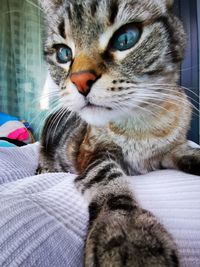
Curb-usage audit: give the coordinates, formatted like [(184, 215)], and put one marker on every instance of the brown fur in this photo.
[(83, 62)]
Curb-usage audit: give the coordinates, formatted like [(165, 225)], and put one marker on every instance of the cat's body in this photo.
[(117, 66), (144, 147)]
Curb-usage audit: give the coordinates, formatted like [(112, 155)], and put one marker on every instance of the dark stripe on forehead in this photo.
[(69, 13), (94, 7), (114, 8), (78, 12), (61, 28)]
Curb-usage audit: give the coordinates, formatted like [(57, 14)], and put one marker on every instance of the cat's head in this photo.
[(113, 58)]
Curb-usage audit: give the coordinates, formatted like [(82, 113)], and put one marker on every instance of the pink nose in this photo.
[(83, 81)]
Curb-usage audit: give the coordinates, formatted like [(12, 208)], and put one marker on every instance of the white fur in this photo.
[(104, 39), (103, 99)]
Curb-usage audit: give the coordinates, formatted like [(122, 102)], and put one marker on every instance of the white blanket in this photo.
[(43, 219)]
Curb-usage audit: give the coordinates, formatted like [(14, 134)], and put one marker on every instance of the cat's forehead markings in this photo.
[(61, 28)]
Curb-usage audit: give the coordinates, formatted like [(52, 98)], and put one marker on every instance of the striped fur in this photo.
[(134, 120)]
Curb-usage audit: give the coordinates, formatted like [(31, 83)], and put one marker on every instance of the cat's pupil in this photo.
[(126, 39)]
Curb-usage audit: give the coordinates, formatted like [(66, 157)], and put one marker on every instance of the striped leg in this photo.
[(120, 232)]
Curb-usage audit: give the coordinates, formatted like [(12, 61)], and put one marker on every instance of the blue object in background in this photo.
[(5, 117), (6, 144)]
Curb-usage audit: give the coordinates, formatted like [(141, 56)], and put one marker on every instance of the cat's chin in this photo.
[(98, 116)]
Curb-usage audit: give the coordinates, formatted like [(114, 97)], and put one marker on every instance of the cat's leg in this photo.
[(184, 158), (121, 233), (62, 135)]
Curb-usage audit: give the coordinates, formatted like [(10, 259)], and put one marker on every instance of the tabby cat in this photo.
[(117, 65)]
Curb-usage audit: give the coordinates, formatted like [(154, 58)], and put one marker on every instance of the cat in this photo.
[(117, 65)]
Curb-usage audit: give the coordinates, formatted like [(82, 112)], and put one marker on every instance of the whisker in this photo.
[(164, 87), (33, 4), (53, 102), (59, 111), (154, 96), (184, 88), (51, 124), (56, 122), (170, 96), (41, 118), (164, 94), (43, 97), (53, 105), (122, 104), (142, 108)]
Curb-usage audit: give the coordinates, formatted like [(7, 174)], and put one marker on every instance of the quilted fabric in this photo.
[(43, 219)]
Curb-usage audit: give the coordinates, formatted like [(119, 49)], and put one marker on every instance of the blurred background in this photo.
[(23, 72)]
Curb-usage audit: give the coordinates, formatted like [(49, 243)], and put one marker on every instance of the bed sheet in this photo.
[(43, 219)]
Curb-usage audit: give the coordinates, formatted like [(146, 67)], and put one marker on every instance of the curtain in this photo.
[(189, 11), (22, 66)]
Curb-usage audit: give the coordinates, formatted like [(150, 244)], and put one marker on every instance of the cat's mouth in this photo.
[(92, 106), (97, 114)]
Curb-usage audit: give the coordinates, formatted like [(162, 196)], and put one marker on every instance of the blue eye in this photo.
[(64, 54), (126, 38)]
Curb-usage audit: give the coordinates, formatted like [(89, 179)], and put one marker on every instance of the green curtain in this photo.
[(22, 67)]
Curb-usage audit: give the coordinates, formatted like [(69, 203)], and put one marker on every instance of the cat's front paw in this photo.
[(135, 239), (190, 163)]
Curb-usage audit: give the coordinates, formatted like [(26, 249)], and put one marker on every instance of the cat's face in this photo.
[(112, 58)]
